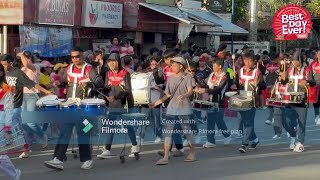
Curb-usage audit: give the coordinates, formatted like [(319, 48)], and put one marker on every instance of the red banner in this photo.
[(291, 23)]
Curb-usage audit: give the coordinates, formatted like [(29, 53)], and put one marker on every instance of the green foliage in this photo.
[(314, 7)]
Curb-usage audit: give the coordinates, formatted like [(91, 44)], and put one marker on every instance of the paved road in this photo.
[(272, 160)]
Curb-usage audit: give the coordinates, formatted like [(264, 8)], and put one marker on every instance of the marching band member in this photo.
[(296, 80), (272, 74), (77, 77), (216, 87), (16, 78), (248, 79), (156, 92), (6, 117), (118, 85), (315, 66), (178, 90)]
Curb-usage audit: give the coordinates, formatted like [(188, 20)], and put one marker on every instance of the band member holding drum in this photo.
[(249, 79), (178, 90), (294, 81), (217, 84), (315, 66), (79, 76), (118, 87)]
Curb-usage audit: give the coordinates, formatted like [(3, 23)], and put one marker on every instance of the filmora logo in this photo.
[(88, 126)]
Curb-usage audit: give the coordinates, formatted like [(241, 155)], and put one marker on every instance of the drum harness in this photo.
[(212, 86), (247, 78), (76, 77)]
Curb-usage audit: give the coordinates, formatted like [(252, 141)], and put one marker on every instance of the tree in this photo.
[(314, 7), (240, 11)]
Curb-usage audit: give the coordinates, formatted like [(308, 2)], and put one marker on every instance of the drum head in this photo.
[(51, 103), (131, 116), (93, 101), (46, 98), (231, 93)]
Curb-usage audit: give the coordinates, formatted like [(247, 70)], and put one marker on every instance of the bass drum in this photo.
[(140, 86), (241, 103)]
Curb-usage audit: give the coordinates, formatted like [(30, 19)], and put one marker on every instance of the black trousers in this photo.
[(85, 149), (216, 118)]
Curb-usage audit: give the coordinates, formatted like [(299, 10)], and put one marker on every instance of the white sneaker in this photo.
[(45, 141), (299, 148), (134, 149), (54, 164), (105, 154), (25, 155), (209, 145), (87, 165), (227, 140), (157, 140), (197, 139), (276, 136), (18, 174), (185, 143), (317, 119), (239, 136), (268, 122), (292, 143)]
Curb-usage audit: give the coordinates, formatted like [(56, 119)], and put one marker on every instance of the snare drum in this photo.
[(51, 105), (241, 103), (275, 103), (291, 97), (228, 112), (202, 105), (93, 104)]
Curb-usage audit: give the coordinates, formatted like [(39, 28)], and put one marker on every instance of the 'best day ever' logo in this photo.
[(292, 22)]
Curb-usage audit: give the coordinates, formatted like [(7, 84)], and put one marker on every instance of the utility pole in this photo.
[(232, 20), (253, 31)]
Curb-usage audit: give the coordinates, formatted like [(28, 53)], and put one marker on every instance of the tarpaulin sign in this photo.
[(291, 23)]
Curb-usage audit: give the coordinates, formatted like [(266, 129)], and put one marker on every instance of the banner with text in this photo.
[(11, 12), (57, 12), (102, 14), (47, 41), (291, 23)]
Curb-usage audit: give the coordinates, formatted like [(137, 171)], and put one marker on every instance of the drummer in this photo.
[(248, 79), (216, 87), (297, 111), (77, 73), (118, 86)]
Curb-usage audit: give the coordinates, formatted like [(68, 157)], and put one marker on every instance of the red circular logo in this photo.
[(291, 23)]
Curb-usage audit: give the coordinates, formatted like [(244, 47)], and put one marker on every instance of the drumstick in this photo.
[(102, 94), (233, 63)]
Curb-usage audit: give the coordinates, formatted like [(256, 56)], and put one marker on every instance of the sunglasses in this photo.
[(75, 57), (191, 70)]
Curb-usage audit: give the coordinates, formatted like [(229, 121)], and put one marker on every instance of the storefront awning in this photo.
[(177, 14), (223, 25)]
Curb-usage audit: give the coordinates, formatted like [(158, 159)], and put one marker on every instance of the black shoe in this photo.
[(242, 149), (254, 145)]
